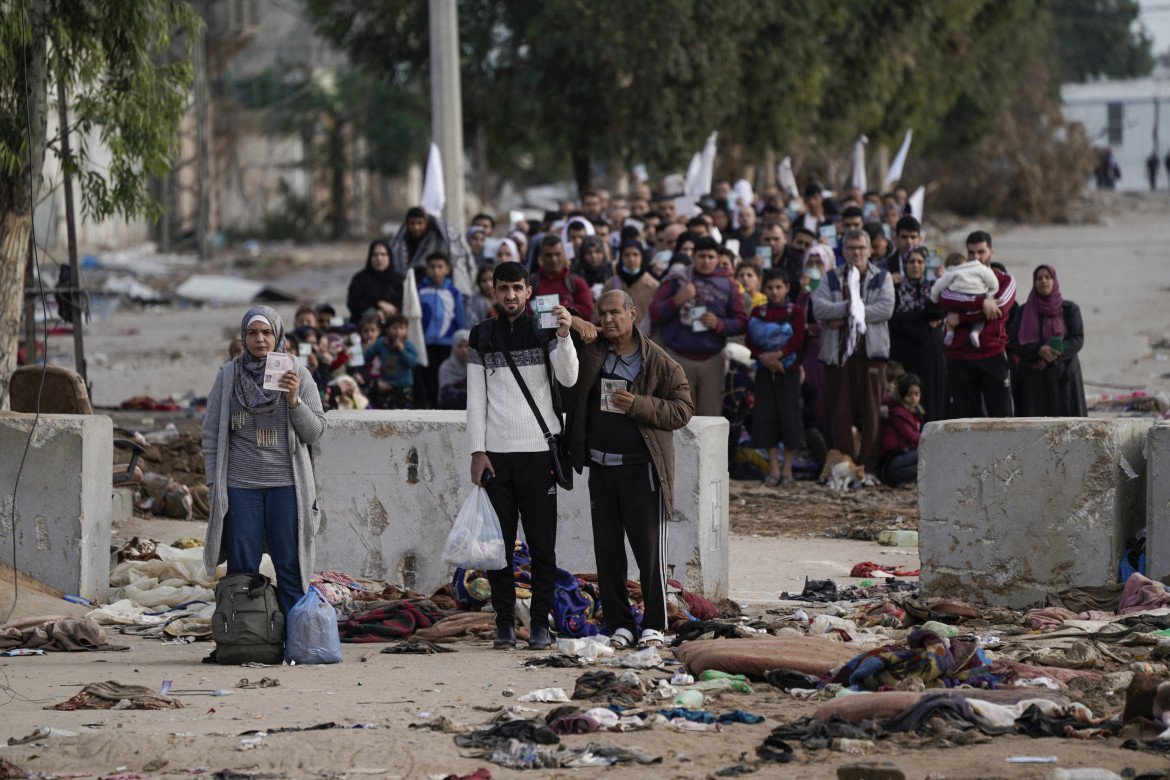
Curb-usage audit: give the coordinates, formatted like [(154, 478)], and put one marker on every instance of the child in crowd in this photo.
[(894, 372), (482, 303), (343, 393), (775, 334), (901, 433), (453, 373), (392, 360), (748, 277), (326, 316), (306, 317), (442, 315), (313, 358), (969, 277)]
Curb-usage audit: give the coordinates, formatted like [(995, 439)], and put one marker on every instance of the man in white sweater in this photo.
[(506, 441)]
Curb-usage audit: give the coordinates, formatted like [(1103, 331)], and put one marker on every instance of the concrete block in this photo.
[(1010, 509), (390, 485), (1158, 501), (61, 517)]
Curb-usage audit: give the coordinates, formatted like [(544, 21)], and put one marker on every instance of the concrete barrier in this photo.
[(390, 485), (61, 518), (1158, 501), (1010, 509)]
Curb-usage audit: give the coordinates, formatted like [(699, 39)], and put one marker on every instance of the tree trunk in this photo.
[(18, 192), (583, 172)]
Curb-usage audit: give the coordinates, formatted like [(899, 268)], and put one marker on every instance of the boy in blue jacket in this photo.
[(442, 315), (390, 362)]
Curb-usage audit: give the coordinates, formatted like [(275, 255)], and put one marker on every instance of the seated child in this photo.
[(900, 434), (391, 361), (894, 372), (969, 277), (453, 373)]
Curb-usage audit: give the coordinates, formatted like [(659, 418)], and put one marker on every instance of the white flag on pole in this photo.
[(916, 202), (434, 194), (786, 177), (859, 181), (899, 160)]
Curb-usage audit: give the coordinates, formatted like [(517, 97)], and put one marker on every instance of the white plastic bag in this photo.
[(312, 636), (476, 541)]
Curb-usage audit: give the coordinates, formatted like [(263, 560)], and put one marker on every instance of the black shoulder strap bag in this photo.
[(562, 464)]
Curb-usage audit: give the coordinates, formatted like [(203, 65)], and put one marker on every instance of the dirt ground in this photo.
[(1112, 267)]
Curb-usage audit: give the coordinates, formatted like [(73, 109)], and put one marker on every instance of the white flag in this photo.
[(916, 202), (692, 178), (859, 181), (786, 178), (707, 167), (899, 160), (434, 194), (412, 310)]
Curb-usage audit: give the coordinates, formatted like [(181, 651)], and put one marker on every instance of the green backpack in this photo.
[(247, 624)]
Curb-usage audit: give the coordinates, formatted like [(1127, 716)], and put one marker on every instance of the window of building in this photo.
[(1114, 123)]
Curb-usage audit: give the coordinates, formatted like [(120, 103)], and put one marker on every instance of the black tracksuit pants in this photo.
[(524, 490), (626, 502)]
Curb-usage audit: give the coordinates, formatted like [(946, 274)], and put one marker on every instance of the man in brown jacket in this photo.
[(629, 397)]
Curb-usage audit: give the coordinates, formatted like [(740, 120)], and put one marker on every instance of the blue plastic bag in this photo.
[(312, 636)]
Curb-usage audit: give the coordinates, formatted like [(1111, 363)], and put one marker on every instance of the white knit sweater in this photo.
[(498, 417)]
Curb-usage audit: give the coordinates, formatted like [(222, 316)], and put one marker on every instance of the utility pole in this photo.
[(202, 152), (80, 302), (447, 104)]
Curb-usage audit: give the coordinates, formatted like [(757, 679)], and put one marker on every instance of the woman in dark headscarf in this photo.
[(377, 287), (256, 454), (915, 335), (1047, 336), (591, 264)]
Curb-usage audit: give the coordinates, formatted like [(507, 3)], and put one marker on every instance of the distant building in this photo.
[(1121, 115)]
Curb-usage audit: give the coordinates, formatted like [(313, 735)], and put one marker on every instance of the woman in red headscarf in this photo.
[(1046, 338)]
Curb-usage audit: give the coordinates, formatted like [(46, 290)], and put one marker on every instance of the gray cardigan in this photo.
[(877, 293), (306, 424)]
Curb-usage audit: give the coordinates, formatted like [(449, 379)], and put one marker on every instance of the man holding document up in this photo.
[(628, 398)]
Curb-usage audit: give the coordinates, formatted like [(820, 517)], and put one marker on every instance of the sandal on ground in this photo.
[(621, 639), (771, 481), (651, 638)]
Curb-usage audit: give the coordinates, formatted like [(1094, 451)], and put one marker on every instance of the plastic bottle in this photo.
[(691, 699), (852, 745), (682, 679), (898, 538), (222, 692), (715, 674), (1083, 774)]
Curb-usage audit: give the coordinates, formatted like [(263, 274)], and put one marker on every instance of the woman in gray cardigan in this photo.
[(259, 472)]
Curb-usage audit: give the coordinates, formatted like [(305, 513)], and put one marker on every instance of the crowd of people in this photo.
[(813, 323)]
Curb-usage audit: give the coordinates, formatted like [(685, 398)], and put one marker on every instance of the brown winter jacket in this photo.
[(662, 404)]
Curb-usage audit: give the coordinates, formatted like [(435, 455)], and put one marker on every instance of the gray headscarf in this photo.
[(248, 393)]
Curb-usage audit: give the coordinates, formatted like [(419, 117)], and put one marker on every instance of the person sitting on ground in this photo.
[(698, 308), (630, 274), (453, 373), (345, 395), (900, 434), (894, 372), (775, 336), (376, 288), (442, 315), (968, 277), (481, 304), (391, 362)]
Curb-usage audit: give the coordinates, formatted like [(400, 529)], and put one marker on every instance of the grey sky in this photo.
[(1156, 17)]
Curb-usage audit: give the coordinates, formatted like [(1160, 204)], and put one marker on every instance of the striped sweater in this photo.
[(498, 417)]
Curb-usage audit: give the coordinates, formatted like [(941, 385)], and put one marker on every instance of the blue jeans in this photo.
[(253, 515)]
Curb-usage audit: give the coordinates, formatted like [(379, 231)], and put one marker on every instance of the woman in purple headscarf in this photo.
[(256, 452), (1046, 337)]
